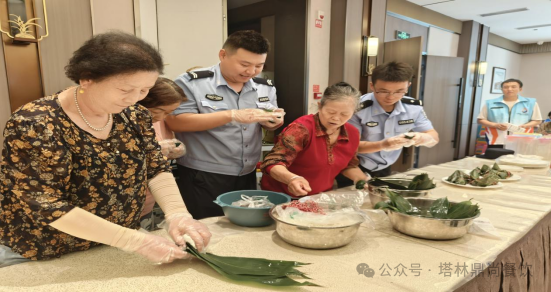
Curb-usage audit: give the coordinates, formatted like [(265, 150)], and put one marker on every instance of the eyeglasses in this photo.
[(394, 94)]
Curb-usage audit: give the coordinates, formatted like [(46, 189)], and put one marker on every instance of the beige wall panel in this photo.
[(423, 14), (64, 39), (110, 14)]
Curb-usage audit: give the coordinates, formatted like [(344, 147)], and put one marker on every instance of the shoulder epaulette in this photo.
[(412, 101), (200, 74), (268, 82), (366, 104)]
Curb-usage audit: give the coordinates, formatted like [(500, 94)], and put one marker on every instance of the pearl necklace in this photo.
[(86, 121)]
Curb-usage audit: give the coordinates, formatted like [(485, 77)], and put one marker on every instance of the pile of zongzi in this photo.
[(480, 177), (441, 208), (263, 271)]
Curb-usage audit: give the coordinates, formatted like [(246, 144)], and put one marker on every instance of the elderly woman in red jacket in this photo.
[(314, 149)]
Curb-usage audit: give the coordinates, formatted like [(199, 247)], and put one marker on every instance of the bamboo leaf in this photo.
[(226, 266)]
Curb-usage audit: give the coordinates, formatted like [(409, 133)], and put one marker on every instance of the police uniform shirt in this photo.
[(230, 149), (375, 124)]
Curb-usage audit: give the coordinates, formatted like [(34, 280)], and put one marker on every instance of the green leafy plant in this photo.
[(263, 271)]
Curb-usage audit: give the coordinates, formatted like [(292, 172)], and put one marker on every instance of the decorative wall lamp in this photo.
[(481, 67), (371, 49), (20, 31)]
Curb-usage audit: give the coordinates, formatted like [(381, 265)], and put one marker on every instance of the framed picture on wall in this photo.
[(498, 76)]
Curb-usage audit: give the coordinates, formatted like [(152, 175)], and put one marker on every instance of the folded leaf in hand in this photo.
[(439, 208), (422, 182), (360, 184)]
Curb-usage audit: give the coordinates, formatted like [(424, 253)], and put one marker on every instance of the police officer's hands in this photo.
[(179, 224), (395, 143), (253, 115), (278, 121), (422, 139), (299, 186), (501, 126), (157, 249)]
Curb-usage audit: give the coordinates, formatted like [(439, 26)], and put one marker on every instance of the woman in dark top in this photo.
[(75, 165), (314, 149)]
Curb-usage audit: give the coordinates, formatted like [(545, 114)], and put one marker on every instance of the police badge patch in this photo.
[(372, 124), (263, 99), (405, 122), (214, 97)]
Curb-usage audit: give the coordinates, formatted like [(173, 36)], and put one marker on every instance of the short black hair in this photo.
[(249, 40), (392, 72), (549, 114), (110, 54), (512, 80)]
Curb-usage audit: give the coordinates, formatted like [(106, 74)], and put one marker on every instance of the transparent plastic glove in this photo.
[(253, 115), (179, 224), (423, 139), (172, 148), (277, 121), (396, 142), (157, 249), (299, 186)]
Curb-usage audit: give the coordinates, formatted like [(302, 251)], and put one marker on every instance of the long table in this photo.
[(519, 212)]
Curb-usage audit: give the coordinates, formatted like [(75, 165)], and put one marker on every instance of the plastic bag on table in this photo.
[(253, 202), (353, 198)]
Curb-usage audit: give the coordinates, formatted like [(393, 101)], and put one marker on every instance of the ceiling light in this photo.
[(534, 26), (504, 12)]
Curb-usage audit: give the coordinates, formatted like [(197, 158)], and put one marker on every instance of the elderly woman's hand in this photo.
[(299, 186), (180, 224)]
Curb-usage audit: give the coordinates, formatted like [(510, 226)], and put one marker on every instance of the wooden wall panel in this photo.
[(22, 64), (64, 39), (5, 108)]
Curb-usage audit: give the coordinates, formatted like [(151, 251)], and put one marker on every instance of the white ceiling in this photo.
[(503, 25)]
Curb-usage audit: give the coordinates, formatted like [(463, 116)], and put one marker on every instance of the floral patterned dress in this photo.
[(50, 165)]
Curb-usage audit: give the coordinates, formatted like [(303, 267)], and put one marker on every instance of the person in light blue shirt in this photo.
[(221, 123), (386, 117)]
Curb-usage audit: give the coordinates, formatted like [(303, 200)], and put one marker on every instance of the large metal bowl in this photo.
[(315, 237), (429, 228), (377, 192)]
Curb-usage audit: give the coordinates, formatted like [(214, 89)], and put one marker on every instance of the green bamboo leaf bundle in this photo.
[(263, 271), (419, 182), (440, 209)]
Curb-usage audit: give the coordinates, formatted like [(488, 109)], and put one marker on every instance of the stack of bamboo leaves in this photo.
[(263, 271)]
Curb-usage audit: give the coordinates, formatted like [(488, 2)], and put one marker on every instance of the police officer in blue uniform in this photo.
[(386, 117), (221, 123)]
